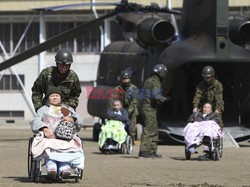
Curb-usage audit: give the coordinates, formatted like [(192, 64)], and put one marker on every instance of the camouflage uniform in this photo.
[(128, 97), (69, 85), (153, 97), (210, 93)]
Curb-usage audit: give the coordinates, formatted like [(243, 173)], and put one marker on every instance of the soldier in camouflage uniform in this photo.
[(127, 94), (153, 98), (60, 76), (209, 90)]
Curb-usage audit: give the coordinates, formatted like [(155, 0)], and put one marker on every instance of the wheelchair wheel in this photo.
[(124, 148), (221, 147), (96, 131), (217, 152), (79, 177), (36, 173), (129, 144), (187, 154), (31, 162)]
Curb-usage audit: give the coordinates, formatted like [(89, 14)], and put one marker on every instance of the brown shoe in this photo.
[(65, 173), (52, 173)]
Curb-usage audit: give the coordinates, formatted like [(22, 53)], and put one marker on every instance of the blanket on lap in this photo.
[(112, 129), (194, 132)]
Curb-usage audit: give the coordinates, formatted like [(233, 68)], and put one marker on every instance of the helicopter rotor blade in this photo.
[(69, 6), (122, 6), (65, 36)]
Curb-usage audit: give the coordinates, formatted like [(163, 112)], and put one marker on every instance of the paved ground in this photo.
[(232, 170)]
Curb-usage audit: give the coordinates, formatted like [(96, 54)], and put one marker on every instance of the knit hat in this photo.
[(52, 90)]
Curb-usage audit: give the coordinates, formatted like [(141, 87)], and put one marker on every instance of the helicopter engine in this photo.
[(239, 30), (154, 31), (147, 30)]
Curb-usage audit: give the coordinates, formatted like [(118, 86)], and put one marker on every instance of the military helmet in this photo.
[(207, 71), (64, 56), (126, 74), (160, 70)]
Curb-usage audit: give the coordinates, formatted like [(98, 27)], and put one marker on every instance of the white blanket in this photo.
[(194, 132), (59, 150)]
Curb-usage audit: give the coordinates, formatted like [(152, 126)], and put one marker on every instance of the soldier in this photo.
[(60, 76), (153, 98), (127, 93), (209, 90)]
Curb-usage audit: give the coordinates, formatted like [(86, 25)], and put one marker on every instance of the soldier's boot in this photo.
[(157, 155), (146, 155)]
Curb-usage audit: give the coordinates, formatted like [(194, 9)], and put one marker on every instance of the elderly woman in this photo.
[(202, 128), (60, 154)]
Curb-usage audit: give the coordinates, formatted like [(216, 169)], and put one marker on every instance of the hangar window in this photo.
[(10, 82), (17, 114), (5, 35), (31, 38), (89, 41), (10, 34), (55, 28)]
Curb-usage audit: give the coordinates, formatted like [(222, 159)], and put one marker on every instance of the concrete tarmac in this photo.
[(233, 170)]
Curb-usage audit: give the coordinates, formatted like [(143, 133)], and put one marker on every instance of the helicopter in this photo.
[(212, 38), (207, 35)]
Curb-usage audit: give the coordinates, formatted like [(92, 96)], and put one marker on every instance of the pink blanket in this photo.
[(194, 132), (43, 146)]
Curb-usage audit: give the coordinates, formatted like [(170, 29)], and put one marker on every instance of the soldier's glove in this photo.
[(195, 110), (130, 112), (217, 112)]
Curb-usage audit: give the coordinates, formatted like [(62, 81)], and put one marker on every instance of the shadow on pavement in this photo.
[(45, 181)]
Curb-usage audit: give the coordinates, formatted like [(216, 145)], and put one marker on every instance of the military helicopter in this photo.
[(207, 36)]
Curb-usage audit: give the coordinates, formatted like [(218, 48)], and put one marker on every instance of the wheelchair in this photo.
[(111, 146), (215, 150), (37, 173)]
